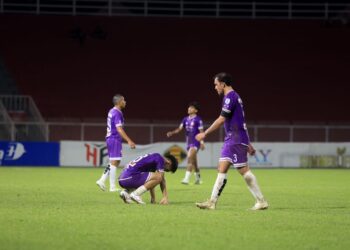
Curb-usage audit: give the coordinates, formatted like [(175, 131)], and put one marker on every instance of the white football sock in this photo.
[(105, 174), (112, 176), (218, 186), (253, 186), (142, 189), (187, 176)]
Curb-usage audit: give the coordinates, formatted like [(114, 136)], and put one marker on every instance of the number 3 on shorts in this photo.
[(234, 158)]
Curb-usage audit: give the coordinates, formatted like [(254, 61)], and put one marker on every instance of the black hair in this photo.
[(195, 105), (173, 161), (116, 98), (224, 77)]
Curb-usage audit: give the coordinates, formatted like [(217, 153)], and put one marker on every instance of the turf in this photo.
[(62, 208)]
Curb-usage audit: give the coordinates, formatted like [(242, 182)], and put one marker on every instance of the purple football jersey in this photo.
[(235, 127), (115, 119), (192, 125), (145, 163)]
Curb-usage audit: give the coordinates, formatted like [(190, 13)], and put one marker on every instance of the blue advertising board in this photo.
[(29, 153)]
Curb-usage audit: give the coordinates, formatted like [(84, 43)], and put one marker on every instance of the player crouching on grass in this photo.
[(145, 173)]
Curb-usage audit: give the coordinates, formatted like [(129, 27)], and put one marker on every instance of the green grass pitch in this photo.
[(62, 208)]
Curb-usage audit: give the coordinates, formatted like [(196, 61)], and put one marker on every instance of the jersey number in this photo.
[(108, 126), (133, 162)]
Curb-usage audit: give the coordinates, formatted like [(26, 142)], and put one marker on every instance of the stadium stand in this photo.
[(161, 65), (290, 70), (7, 84)]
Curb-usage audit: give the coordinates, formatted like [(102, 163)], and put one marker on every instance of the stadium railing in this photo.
[(145, 133), (180, 8), (7, 128), (16, 109)]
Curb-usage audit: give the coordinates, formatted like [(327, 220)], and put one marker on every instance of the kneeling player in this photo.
[(143, 174)]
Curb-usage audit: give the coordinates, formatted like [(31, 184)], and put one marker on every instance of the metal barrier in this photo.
[(18, 108), (179, 8), (150, 133), (7, 128)]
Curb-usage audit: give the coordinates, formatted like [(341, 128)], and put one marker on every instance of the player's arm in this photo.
[(251, 149), (125, 137), (214, 126), (153, 195), (175, 131), (164, 200)]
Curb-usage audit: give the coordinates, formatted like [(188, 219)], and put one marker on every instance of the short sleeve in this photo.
[(118, 120), (200, 124), (183, 123), (227, 107)]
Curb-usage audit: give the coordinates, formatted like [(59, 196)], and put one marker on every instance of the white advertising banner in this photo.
[(305, 155), (94, 154)]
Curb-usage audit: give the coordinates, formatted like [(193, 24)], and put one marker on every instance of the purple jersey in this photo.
[(115, 119), (145, 163), (192, 125), (235, 126)]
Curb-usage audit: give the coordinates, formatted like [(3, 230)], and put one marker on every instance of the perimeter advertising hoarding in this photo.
[(94, 154), (29, 153)]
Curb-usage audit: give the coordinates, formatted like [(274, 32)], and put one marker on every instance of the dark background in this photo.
[(288, 70)]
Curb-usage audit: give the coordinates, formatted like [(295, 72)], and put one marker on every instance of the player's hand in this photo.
[(164, 201), (251, 149), (170, 133), (132, 144), (200, 136), (202, 147)]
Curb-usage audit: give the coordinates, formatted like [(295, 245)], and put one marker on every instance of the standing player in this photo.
[(193, 124), (143, 174), (114, 137), (236, 144)]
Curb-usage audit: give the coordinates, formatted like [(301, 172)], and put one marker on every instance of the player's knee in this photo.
[(158, 177)]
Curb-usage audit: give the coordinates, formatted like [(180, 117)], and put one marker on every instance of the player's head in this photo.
[(172, 163), (119, 100), (222, 80), (193, 108)]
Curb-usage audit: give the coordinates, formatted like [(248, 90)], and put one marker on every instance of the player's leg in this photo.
[(218, 187), (241, 164), (126, 182), (190, 165), (114, 148), (254, 188), (225, 161), (113, 175), (152, 180), (101, 182), (115, 156), (132, 182), (196, 170)]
